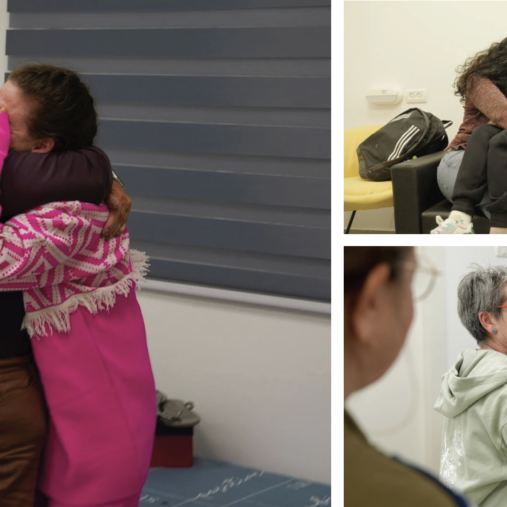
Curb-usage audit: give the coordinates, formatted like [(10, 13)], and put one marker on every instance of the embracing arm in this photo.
[(30, 179), (52, 244)]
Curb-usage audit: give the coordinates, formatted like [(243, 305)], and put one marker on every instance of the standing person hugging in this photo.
[(77, 283), (473, 170)]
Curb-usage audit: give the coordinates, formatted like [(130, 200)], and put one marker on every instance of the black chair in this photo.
[(418, 200)]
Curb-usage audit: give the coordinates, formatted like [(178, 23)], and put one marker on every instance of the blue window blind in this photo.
[(216, 114)]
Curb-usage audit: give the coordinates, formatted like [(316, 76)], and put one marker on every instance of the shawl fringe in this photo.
[(44, 322)]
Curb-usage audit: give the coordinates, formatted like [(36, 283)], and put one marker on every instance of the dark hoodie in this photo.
[(30, 180)]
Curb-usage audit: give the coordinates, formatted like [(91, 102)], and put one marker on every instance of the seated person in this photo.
[(473, 170)]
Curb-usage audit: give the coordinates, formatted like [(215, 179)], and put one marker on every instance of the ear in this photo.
[(369, 306), (44, 145), (487, 322)]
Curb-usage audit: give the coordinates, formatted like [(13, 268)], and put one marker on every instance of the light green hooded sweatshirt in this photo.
[(473, 399)]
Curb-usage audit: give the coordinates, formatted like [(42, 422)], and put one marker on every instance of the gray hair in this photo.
[(480, 291)]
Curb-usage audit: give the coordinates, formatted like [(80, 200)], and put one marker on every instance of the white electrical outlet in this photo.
[(417, 96), (501, 251)]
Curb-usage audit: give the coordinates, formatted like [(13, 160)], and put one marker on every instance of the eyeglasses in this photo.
[(425, 277), (504, 306)]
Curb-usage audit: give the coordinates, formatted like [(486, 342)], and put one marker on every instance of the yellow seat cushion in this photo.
[(352, 139), (362, 194)]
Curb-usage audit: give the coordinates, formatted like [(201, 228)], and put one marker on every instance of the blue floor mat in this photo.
[(212, 483)]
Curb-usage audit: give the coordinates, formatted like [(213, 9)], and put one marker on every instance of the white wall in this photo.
[(411, 45), (260, 379), (396, 412)]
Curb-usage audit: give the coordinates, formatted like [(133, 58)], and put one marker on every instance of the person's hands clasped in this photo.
[(119, 205)]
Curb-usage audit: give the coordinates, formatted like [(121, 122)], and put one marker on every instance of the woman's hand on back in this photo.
[(119, 205)]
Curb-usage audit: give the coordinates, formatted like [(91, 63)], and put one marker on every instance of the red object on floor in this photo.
[(173, 451), (173, 446)]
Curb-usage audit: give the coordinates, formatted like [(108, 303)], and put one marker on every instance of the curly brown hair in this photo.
[(490, 63)]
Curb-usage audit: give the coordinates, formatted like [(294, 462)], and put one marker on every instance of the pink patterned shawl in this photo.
[(56, 255)]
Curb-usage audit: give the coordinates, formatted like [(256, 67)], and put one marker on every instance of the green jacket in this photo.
[(372, 479), (473, 398)]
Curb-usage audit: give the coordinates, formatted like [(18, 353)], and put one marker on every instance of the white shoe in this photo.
[(449, 226)]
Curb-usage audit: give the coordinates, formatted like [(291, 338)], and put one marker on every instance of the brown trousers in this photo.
[(23, 425)]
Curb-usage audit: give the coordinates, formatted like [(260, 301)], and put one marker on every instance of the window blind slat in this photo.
[(283, 42), (250, 91), (230, 234), (153, 5), (254, 281), (297, 142), (227, 187), (283, 67)]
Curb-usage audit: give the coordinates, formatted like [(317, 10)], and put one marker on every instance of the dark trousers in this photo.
[(484, 166), (23, 425)]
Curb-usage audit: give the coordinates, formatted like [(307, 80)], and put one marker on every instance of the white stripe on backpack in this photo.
[(403, 141), (402, 147), (400, 140)]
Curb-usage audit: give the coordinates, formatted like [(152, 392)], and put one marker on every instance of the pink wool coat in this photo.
[(90, 347)]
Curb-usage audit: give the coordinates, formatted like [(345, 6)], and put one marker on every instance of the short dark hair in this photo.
[(63, 110)]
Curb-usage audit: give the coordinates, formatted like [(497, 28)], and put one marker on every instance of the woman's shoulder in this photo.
[(372, 478)]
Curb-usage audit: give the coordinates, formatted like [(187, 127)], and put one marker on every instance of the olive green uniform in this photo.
[(372, 479)]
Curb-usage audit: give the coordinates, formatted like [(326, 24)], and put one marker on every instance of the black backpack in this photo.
[(413, 133)]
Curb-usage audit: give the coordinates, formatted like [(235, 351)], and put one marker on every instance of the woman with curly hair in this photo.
[(473, 170)]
